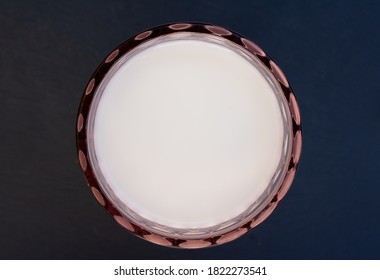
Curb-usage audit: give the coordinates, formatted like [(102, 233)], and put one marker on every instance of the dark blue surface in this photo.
[(329, 50)]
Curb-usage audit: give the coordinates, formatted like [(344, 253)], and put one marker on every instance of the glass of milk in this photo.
[(189, 135)]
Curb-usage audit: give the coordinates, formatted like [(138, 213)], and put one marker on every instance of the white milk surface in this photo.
[(188, 133)]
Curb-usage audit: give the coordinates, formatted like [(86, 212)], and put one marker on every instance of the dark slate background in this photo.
[(329, 51)]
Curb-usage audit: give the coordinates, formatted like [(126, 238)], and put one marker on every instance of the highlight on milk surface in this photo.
[(189, 135)]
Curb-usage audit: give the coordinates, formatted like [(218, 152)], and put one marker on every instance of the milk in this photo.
[(188, 133)]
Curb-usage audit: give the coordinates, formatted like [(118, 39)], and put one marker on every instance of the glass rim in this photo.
[(268, 200)]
